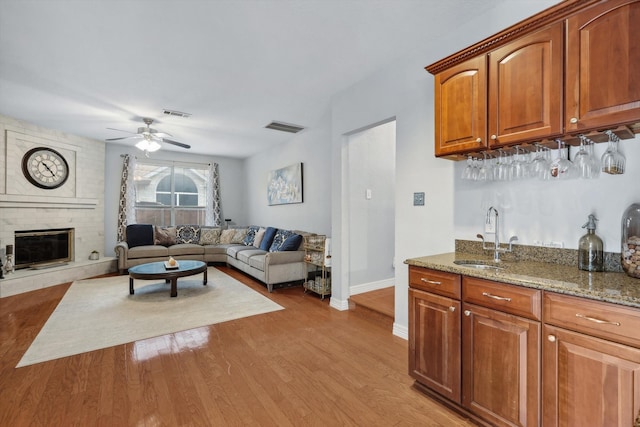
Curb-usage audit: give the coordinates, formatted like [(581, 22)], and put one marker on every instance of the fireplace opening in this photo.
[(43, 248)]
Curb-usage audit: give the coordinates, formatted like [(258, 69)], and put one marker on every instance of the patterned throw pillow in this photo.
[(165, 236), (227, 235), (209, 235), (188, 234), (239, 236), (251, 235), (278, 240)]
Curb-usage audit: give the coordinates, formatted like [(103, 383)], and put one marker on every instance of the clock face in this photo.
[(45, 168)]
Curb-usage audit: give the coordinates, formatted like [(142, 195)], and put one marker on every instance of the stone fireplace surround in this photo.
[(79, 203)]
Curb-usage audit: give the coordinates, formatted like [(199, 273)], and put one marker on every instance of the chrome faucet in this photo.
[(497, 250)]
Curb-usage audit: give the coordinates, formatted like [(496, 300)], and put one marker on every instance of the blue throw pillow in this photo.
[(139, 235), (292, 243), (278, 240), (269, 234), (251, 235)]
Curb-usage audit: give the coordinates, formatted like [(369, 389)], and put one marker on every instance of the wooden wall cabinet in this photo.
[(570, 69)]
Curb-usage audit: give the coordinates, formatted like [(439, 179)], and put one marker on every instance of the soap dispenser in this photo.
[(591, 248)]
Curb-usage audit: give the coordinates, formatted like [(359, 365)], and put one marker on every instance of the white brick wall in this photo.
[(79, 203)]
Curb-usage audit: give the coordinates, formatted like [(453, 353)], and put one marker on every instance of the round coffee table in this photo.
[(158, 270)]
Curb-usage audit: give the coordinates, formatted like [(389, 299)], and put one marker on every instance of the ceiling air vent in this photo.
[(284, 127), (177, 113)]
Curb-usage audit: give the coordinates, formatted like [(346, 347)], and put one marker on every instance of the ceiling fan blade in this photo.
[(120, 130), (179, 144), (124, 137)]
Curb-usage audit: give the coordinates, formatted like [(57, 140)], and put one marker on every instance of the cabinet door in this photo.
[(434, 342), (461, 110), (588, 381), (501, 367), (525, 88), (603, 66)]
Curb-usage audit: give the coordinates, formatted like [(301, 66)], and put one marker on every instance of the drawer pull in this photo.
[(467, 313), (488, 295), (422, 279), (452, 309), (598, 321), (551, 338)]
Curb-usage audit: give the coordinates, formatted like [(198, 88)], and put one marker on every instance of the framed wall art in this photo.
[(284, 186)]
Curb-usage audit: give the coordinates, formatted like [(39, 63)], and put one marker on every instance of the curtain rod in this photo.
[(173, 162)]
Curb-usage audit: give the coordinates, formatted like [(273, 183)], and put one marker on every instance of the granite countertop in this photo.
[(614, 287)]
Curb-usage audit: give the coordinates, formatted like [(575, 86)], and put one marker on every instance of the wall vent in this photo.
[(176, 113), (284, 127)]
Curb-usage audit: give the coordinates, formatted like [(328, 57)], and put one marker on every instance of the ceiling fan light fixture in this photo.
[(148, 145)]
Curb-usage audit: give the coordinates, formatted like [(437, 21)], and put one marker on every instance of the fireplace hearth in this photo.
[(42, 248)]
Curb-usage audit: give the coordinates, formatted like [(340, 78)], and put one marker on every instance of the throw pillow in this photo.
[(209, 235), (139, 235), (188, 234), (278, 240), (227, 235), (292, 243), (239, 236), (269, 234), (259, 237), (251, 235), (165, 236)]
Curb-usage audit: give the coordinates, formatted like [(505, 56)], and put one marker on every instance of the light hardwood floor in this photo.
[(305, 365)]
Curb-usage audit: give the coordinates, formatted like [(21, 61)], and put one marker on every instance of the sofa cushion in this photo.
[(209, 235), (269, 234), (139, 235), (165, 236), (259, 237), (188, 234), (239, 235), (251, 235), (148, 251), (233, 250), (244, 256), (227, 235), (257, 261), (186, 249), (216, 249), (292, 243), (279, 239)]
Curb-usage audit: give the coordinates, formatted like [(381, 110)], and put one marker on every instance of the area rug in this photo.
[(100, 313)]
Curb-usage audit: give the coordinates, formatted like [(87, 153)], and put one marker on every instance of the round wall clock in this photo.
[(45, 168)]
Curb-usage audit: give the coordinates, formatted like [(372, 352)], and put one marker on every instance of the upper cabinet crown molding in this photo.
[(544, 18)]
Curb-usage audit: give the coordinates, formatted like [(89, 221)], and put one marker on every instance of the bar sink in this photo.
[(483, 265)]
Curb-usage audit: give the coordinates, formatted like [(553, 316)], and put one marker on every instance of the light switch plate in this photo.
[(418, 199)]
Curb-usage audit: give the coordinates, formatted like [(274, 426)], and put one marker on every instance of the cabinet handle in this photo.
[(552, 338), (488, 295), (422, 279), (452, 309), (598, 321), (467, 313), (494, 137), (573, 120), (479, 140)]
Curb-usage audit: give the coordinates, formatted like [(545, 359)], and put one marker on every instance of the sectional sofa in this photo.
[(268, 254)]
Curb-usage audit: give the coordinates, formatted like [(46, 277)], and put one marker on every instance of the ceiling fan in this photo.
[(149, 138)]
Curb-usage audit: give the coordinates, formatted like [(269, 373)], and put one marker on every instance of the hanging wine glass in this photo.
[(562, 167), (484, 172), (613, 162), (540, 165), (582, 160), (467, 173)]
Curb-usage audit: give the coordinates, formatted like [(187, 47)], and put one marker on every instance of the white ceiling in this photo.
[(82, 66)]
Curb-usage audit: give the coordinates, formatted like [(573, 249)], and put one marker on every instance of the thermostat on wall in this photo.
[(418, 199)]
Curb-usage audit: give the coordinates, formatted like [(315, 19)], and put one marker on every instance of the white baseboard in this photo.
[(339, 304), (371, 286), (400, 331)]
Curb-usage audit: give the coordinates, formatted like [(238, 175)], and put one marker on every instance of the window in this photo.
[(170, 194)]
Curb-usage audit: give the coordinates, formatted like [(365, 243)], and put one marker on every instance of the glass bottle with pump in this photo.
[(591, 248)]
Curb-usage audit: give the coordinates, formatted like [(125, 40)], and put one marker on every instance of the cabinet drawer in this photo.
[(604, 320), (512, 299), (438, 282)]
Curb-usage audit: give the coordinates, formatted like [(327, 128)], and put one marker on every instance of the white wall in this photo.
[(371, 167), (311, 147), (232, 185)]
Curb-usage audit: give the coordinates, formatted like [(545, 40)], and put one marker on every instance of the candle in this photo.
[(9, 249)]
